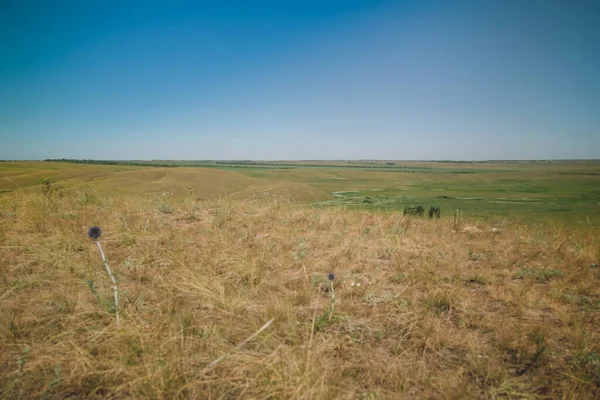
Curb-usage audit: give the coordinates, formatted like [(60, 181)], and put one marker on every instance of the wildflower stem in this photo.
[(114, 281), (332, 299)]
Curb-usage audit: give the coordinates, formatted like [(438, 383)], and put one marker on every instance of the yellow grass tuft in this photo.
[(438, 313)]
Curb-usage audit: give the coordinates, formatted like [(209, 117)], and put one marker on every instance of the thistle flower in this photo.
[(94, 233), (331, 277)]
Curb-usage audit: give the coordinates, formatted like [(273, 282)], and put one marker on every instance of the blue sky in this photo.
[(505, 79)]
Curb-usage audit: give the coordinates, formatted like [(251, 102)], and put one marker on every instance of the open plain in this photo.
[(500, 299)]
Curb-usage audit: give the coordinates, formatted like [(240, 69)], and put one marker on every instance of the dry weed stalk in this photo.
[(331, 278), (94, 233), (239, 346)]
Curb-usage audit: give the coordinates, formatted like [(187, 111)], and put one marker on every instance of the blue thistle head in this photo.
[(95, 232), (331, 277)]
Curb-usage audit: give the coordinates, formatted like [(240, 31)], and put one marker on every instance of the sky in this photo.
[(292, 80)]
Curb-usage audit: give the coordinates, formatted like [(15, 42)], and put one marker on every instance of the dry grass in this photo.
[(205, 182), (439, 314)]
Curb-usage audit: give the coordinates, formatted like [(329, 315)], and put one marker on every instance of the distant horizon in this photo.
[(296, 160), (370, 79)]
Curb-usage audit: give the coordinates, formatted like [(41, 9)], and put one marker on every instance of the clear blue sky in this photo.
[(348, 79)]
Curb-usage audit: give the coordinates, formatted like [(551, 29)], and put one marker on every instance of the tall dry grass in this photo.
[(438, 313)]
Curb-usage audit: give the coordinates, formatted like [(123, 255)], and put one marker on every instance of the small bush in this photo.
[(417, 211), (434, 212)]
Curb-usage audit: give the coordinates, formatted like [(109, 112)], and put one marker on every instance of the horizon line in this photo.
[(298, 160)]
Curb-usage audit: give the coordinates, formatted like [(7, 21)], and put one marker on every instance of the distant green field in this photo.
[(557, 191)]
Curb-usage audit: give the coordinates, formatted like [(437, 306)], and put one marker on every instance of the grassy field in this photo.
[(532, 191), (424, 309)]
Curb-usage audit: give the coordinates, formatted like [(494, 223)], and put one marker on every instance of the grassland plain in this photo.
[(438, 313), (556, 191)]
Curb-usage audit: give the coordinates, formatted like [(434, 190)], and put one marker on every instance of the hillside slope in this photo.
[(206, 183)]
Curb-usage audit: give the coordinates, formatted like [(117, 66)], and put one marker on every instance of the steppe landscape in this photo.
[(222, 273)]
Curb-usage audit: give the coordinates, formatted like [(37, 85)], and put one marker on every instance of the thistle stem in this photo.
[(112, 278), (332, 299)]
